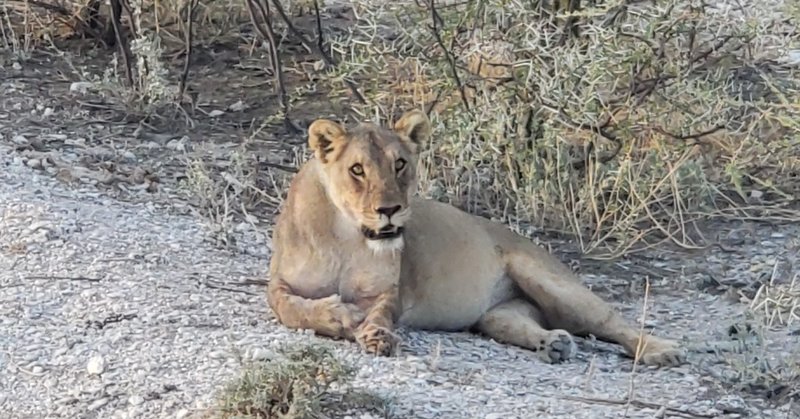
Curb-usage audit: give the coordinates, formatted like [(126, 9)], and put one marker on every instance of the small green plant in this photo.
[(302, 382), (754, 365)]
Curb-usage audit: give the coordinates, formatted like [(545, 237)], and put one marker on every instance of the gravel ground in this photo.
[(116, 309), (112, 309)]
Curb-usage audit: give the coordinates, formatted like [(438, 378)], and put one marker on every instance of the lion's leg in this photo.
[(375, 332), (519, 323), (326, 316), (568, 304)]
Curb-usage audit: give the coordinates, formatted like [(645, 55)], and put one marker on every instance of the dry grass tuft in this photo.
[(778, 304), (230, 188), (304, 382)]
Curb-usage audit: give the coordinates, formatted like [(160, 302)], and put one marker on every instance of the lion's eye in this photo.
[(357, 170), (399, 165)]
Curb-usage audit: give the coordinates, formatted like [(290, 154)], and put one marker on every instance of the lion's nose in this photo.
[(388, 211)]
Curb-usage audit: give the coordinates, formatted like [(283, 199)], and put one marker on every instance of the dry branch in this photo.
[(264, 28), (122, 40), (316, 48), (641, 404), (190, 8), (436, 23), (320, 36)]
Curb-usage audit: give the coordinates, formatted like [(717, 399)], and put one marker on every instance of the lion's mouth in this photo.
[(387, 232)]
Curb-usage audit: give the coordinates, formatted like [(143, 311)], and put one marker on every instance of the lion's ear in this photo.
[(415, 126), (324, 136)]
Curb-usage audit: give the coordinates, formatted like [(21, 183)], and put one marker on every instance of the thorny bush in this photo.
[(621, 123)]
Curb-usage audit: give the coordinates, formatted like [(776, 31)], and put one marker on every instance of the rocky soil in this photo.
[(112, 309)]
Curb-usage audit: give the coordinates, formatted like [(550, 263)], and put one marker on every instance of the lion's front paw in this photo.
[(376, 339), (339, 319), (662, 353), (557, 346)]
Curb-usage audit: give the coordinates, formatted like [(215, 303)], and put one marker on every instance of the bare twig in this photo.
[(134, 30), (93, 23), (212, 285), (601, 129), (248, 282), (570, 29), (64, 278), (694, 136), (435, 25), (12, 364), (190, 8), (714, 48), (641, 404), (320, 37), (282, 167), (640, 346), (114, 318), (122, 40), (328, 59), (268, 33)]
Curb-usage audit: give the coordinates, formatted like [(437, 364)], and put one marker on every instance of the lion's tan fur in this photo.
[(449, 270)]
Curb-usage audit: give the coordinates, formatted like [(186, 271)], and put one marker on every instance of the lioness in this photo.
[(355, 253)]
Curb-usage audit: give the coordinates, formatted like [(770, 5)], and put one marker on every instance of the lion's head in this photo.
[(370, 173)]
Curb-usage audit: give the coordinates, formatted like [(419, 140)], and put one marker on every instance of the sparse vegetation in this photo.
[(236, 187), (301, 382), (753, 365), (755, 368), (624, 124)]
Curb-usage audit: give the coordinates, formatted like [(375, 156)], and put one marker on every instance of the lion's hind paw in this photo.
[(663, 353), (557, 347)]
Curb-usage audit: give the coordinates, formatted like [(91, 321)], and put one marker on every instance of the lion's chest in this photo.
[(368, 275), (354, 274)]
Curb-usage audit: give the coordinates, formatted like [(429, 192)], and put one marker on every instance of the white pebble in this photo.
[(96, 365), (80, 86), (98, 404), (260, 354), (19, 140), (127, 155)]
